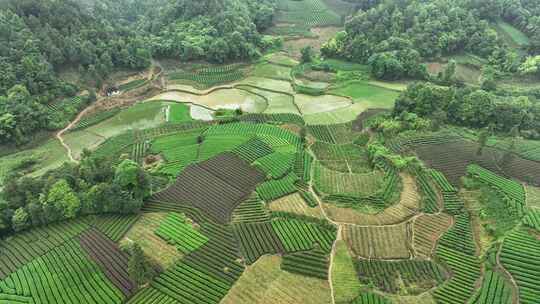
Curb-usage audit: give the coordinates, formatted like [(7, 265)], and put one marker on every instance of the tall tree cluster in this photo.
[(39, 38), (394, 37), (92, 187), (471, 107)]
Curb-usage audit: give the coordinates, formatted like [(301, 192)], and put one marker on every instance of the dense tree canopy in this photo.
[(91, 187), (38, 39), (474, 108), (394, 37)]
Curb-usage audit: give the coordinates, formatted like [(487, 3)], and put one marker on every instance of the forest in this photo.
[(270, 151)]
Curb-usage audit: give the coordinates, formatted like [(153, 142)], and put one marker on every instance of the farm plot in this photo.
[(213, 145), (344, 277), (112, 261), (519, 255), (495, 290), (114, 226), (176, 230), (333, 134), (532, 219), (132, 85), (274, 189), (278, 102), (452, 203), (431, 197), (408, 206), (264, 282), (63, 275), (453, 158), (334, 182), (270, 84), (456, 249), (257, 239), (344, 158), (224, 98), (306, 13), (370, 96), (94, 119), (294, 203), (203, 276), (155, 248), (533, 196), (427, 229), (276, 164), (370, 298), (512, 191), (408, 276), (380, 242), (318, 104), (296, 235), (209, 76), (338, 116), (232, 180), (272, 71), (313, 263), (179, 150), (25, 246), (252, 150), (250, 211)]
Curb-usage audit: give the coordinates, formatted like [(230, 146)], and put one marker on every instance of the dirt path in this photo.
[(332, 254), (68, 127)]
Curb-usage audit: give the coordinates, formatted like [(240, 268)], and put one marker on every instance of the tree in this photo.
[(307, 54), (482, 140), (20, 220), (130, 177), (64, 199), (138, 267), (386, 66), (530, 66)]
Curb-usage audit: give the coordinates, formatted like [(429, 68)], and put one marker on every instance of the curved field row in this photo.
[(63, 275), (520, 255), (407, 207), (250, 211), (495, 290), (457, 249), (427, 229), (334, 182), (379, 242), (25, 246)]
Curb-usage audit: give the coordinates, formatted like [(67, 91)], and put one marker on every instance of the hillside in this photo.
[(275, 151)]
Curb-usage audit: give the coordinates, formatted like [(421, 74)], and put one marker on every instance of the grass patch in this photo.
[(344, 279), (514, 36), (179, 113), (132, 85), (264, 282), (273, 71), (372, 96), (154, 247), (48, 156)]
